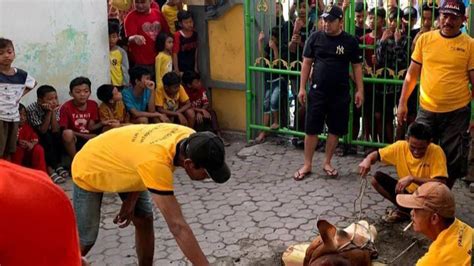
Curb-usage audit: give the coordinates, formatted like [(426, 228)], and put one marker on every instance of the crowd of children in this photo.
[(162, 47)]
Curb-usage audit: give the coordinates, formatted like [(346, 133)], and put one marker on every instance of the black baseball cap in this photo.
[(333, 13), (206, 150), (455, 7)]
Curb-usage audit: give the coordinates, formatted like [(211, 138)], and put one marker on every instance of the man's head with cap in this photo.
[(204, 156), (332, 18), (433, 207), (453, 15)]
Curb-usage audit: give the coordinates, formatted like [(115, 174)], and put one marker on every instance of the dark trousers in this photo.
[(451, 130), (52, 144)]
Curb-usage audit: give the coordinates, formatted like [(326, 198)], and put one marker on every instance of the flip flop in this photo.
[(57, 179), (331, 173), (255, 142), (63, 172), (298, 176), (396, 216)]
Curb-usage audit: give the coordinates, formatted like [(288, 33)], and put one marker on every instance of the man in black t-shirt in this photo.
[(331, 51)]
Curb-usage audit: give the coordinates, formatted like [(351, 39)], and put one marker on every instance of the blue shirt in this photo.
[(138, 103)]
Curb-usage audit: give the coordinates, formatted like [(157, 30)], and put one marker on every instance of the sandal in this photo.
[(331, 173), (62, 172), (396, 216), (57, 179), (298, 176), (255, 142), (225, 142)]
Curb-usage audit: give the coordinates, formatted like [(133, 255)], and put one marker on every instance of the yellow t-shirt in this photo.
[(116, 73), (130, 158), (398, 154), (170, 103), (117, 112), (163, 65), (171, 15), (444, 73), (451, 247)]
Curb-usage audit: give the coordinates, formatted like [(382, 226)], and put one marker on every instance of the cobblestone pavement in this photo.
[(251, 219)]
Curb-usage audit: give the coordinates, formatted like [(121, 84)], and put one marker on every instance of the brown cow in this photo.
[(352, 246)]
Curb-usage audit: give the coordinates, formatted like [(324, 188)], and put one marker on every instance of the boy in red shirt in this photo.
[(77, 117), (185, 45), (29, 152), (206, 118), (142, 26)]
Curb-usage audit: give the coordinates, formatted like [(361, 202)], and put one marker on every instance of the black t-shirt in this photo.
[(332, 55), (359, 32), (187, 52)]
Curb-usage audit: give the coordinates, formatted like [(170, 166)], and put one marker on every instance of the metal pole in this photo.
[(248, 74)]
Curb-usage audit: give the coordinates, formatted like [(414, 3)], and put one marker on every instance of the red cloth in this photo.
[(198, 98), (72, 118), (148, 25), (38, 226), (369, 40), (35, 157)]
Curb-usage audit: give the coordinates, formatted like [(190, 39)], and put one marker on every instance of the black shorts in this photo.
[(80, 142), (330, 108), (389, 184)]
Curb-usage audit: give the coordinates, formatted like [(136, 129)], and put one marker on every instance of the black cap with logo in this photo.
[(332, 13), (454, 7), (206, 150)]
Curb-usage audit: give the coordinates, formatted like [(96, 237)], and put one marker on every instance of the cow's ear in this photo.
[(327, 232)]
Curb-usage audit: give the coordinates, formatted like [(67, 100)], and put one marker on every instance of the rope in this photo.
[(363, 185)]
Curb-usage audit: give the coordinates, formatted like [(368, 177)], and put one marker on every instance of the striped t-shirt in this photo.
[(11, 90)]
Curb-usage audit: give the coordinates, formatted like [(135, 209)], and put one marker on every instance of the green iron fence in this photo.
[(374, 125)]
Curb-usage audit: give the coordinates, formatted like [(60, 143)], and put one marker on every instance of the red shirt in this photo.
[(27, 133), (368, 40), (38, 226), (72, 118), (198, 98), (148, 25)]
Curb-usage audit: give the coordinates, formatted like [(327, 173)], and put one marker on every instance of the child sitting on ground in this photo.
[(29, 152), (206, 118), (185, 52), (43, 116), (15, 83), (112, 108), (139, 100), (78, 116), (163, 61), (118, 58), (173, 101), (170, 12)]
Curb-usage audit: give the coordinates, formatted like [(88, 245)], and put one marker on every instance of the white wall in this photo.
[(58, 40)]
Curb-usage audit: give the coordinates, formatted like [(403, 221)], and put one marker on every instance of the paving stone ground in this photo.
[(261, 210)]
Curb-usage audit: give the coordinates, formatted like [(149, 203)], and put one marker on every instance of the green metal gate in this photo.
[(264, 68)]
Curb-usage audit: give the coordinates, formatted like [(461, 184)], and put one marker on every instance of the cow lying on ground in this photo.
[(351, 246)]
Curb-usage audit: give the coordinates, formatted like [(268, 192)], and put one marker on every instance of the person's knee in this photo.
[(143, 221), (190, 114), (38, 150), (374, 182), (68, 136), (141, 120)]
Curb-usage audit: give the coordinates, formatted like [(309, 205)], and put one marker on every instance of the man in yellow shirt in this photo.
[(416, 160), (170, 11), (445, 60), (133, 159), (433, 215)]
